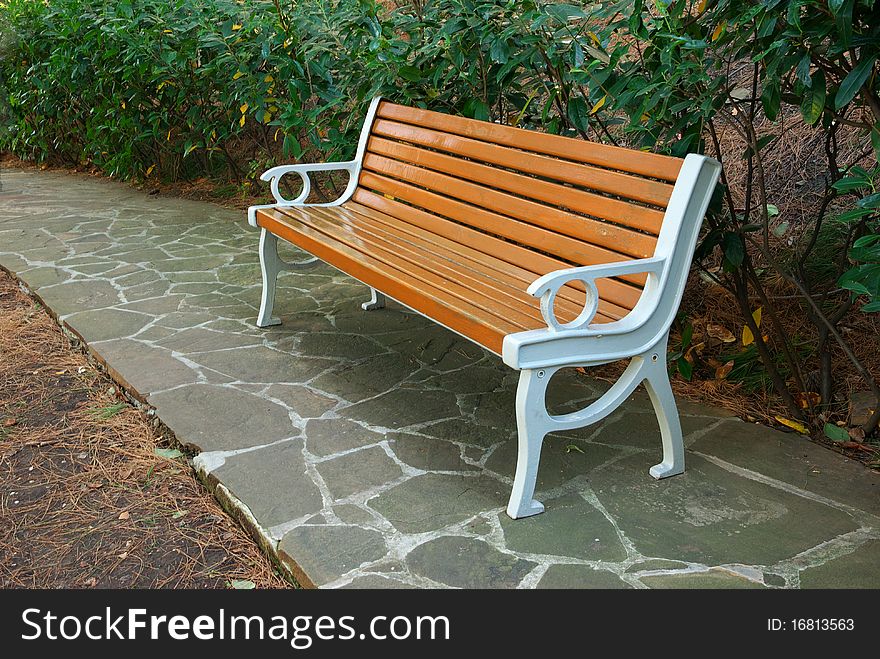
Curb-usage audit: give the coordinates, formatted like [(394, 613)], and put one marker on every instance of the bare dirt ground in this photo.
[(92, 495)]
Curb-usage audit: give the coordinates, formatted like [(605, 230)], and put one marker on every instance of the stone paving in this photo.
[(376, 449)]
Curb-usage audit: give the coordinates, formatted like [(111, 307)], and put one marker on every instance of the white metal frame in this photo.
[(640, 336)]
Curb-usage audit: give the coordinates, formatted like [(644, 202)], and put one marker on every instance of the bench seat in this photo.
[(474, 294)]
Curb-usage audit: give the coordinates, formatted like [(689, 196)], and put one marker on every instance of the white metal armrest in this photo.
[(275, 175), (547, 286)]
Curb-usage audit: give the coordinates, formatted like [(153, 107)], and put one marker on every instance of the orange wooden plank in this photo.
[(571, 300), (355, 238), (608, 234), (445, 259), (434, 303), (623, 185), (569, 249), (492, 295), (627, 160), (623, 295)]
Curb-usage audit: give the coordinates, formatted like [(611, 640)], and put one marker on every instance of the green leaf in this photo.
[(168, 453), (803, 71), (871, 201), (685, 368), (498, 51), (772, 211), (854, 81), (476, 109), (734, 252), (843, 15), (686, 336), (770, 99), (578, 113), (836, 433), (850, 183), (243, 584), (813, 102), (780, 229), (410, 73)]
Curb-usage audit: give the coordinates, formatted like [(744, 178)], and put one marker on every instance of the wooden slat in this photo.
[(490, 295), (603, 180), (448, 259), (623, 296), (571, 250), (627, 160), (606, 234), (436, 303), (511, 275), (427, 271)]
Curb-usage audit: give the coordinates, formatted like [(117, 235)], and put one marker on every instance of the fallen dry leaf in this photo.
[(8, 423), (720, 332), (807, 399), (124, 515), (724, 370), (794, 425), (857, 434)]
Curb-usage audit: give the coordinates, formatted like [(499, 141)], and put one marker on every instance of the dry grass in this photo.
[(84, 499)]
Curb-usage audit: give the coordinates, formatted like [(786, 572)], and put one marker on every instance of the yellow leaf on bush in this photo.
[(702, 6), (150, 170), (599, 104), (244, 108), (267, 117), (794, 425), (242, 120), (237, 75), (593, 36), (168, 138), (268, 79), (275, 139), (718, 30), (748, 338), (237, 26)]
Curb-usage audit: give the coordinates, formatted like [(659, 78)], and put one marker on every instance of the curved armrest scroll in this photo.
[(547, 286)]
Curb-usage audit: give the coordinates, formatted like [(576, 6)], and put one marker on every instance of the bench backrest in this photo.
[(540, 201)]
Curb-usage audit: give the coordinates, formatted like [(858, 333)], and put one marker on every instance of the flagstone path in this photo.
[(377, 449)]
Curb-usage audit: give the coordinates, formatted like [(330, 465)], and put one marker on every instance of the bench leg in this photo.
[(660, 393), (377, 301), (533, 422), (270, 265)]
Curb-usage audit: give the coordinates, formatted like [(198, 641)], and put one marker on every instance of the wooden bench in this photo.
[(549, 251)]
